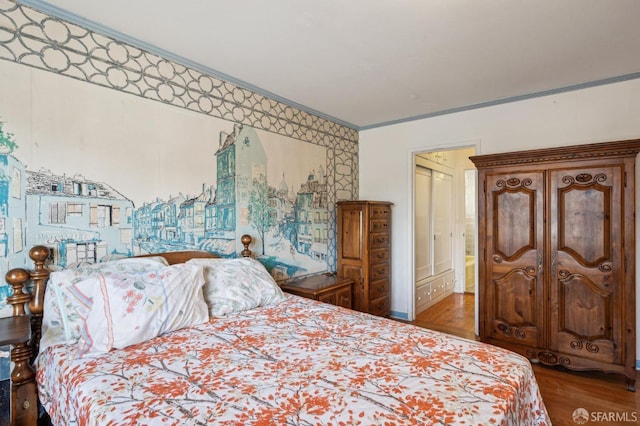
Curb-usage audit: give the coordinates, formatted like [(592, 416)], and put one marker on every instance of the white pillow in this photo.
[(66, 304), (235, 285), (130, 308)]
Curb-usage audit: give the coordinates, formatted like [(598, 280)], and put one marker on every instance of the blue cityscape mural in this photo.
[(107, 150), (83, 220)]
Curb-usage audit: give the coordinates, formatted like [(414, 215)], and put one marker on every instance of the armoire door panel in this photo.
[(585, 204), (585, 310), (515, 316), (515, 208), (512, 294), (586, 228), (586, 320), (514, 235)]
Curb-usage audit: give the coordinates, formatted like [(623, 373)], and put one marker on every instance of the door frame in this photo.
[(412, 153)]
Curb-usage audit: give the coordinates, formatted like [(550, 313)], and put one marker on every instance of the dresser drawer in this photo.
[(379, 240), (423, 295), (437, 287), (381, 225), (380, 255), (328, 297), (327, 288), (380, 212), (343, 297), (380, 307), (379, 271), (379, 288), (449, 282)]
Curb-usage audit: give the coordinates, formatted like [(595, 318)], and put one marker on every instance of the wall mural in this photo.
[(108, 149), (89, 196), (85, 220)]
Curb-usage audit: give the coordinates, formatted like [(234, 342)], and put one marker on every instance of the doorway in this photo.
[(444, 214)]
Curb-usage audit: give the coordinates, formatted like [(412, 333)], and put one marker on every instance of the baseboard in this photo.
[(400, 315)]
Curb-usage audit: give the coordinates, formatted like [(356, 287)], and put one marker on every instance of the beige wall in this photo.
[(599, 114)]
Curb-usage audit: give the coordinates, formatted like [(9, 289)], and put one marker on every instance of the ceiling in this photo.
[(367, 63)]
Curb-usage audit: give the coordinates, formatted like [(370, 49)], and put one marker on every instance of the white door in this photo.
[(442, 222), (423, 235)]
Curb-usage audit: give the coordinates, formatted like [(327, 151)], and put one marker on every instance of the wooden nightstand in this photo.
[(327, 288), (16, 331)]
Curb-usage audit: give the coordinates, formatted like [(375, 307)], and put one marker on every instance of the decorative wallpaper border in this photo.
[(32, 38)]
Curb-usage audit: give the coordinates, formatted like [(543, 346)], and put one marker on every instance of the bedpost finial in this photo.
[(246, 240), (17, 275), (16, 278), (39, 253)]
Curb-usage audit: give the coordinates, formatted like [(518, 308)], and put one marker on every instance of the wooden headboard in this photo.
[(24, 390), (173, 257)]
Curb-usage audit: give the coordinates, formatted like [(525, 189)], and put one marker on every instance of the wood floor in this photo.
[(603, 395)]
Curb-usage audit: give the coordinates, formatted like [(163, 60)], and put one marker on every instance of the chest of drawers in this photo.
[(364, 253)]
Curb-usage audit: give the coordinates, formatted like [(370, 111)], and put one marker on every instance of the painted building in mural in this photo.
[(191, 222), (287, 226), (240, 161), (79, 219), (312, 217), (12, 215)]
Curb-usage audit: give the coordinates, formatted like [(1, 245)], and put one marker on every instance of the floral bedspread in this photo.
[(299, 362)]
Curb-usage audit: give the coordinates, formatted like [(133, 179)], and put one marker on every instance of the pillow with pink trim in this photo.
[(130, 308), (67, 302)]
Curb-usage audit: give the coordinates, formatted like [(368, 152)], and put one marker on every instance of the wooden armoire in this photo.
[(556, 249), (364, 253)]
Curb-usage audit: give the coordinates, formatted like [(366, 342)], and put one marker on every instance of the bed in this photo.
[(257, 356)]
